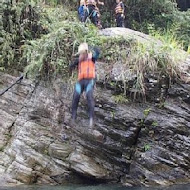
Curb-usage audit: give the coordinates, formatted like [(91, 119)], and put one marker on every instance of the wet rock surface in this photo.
[(133, 143)]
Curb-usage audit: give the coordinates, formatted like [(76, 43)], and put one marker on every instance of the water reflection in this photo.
[(99, 187)]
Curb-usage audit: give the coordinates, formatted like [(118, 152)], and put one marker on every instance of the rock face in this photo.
[(132, 143)]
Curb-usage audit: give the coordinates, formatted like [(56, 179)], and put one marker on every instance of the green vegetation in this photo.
[(18, 24), (155, 124), (146, 112), (43, 41), (50, 55), (164, 15), (120, 99), (147, 147)]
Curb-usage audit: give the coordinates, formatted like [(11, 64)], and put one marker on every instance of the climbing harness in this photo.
[(92, 12), (88, 16), (16, 82)]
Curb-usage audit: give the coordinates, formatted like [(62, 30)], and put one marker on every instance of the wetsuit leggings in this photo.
[(86, 85), (93, 14), (119, 20)]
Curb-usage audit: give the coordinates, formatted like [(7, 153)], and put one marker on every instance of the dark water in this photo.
[(99, 187)]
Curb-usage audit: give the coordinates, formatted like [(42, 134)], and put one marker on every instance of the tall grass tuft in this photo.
[(50, 55)]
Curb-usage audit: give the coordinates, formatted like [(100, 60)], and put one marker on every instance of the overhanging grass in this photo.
[(50, 55)]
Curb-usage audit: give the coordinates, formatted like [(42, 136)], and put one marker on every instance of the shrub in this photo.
[(19, 22), (50, 56)]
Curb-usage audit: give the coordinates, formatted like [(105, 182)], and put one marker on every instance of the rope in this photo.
[(88, 17), (17, 81)]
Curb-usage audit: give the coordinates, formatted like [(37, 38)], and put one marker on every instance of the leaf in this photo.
[(147, 147)]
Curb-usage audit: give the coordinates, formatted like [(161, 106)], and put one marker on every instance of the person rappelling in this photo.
[(86, 80)]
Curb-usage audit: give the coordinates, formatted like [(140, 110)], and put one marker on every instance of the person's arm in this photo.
[(123, 7), (100, 3), (96, 54), (74, 64)]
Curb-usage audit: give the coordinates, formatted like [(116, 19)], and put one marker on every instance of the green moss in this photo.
[(147, 147), (46, 152), (120, 99), (155, 124), (146, 112)]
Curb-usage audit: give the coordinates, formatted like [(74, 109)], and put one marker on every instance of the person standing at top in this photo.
[(98, 13), (86, 80), (94, 11), (83, 10), (119, 12)]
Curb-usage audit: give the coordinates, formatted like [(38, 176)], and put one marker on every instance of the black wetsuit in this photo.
[(86, 85)]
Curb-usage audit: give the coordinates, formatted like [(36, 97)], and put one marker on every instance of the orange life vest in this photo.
[(86, 70), (119, 9)]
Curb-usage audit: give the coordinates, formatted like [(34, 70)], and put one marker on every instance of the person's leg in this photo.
[(76, 98), (86, 13), (99, 23), (93, 14), (90, 100), (80, 12), (121, 21), (90, 9), (95, 18), (117, 20)]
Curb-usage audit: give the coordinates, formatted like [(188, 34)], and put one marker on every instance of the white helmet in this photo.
[(82, 48)]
